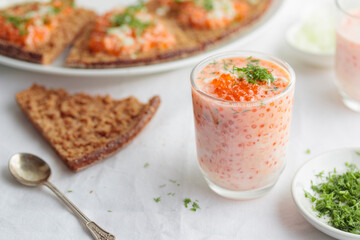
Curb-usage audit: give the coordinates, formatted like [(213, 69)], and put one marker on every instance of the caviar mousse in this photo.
[(242, 109)]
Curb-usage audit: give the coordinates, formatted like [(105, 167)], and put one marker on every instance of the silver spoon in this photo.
[(32, 171)]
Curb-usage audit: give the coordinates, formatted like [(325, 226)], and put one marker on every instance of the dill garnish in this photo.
[(187, 201), (338, 198), (128, 18), (17, 21), (208, 5), (234, 111), (253, 73), (195, 205)]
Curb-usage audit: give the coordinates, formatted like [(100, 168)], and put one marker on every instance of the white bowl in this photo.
[(302, 181), (315, 59)]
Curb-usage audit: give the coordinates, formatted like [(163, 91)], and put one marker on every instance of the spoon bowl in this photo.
[(29, 169), (32, 171)]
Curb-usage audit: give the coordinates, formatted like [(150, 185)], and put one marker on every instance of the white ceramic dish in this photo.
[(57, 67), (325, 162), (319, 60)]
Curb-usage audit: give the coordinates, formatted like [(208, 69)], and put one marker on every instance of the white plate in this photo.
[(325, 162), (57, 67)]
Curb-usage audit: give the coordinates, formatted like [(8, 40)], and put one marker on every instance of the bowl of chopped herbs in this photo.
[(326, 190)]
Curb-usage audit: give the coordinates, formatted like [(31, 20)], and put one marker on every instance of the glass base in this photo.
[(350, 103), (239, 195)]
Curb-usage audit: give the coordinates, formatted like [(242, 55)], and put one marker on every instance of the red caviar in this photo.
[(29, 25), (9, 32), (222, 15), (125, 39), (230, 87)]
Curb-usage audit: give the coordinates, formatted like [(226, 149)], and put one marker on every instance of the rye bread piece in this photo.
[(84, 129), (69, 28), (190, 41)]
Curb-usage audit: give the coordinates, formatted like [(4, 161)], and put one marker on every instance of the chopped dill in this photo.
[(338, 199), (253, 73)]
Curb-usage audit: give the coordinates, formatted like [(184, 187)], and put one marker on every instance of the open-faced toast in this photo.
[(85, 129), (81, 56), (189, 40), (39, 32)]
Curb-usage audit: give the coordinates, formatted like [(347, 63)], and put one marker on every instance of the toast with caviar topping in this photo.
[(128, 37), (159, 31), (39, 32), (84, 129), (210, 22)]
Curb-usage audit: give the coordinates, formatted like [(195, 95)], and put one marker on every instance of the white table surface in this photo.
[(121, 183)]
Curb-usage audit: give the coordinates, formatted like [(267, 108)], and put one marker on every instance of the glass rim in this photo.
[(240, 53), (343, 10)]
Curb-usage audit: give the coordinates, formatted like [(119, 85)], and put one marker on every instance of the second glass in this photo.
[(347, 58)]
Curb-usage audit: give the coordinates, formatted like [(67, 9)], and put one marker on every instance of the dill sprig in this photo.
[(128, 18), (17, 21), (253, 72), (194, 204), (208, 5)]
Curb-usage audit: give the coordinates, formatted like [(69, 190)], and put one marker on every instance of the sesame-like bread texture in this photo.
[(85, 129)]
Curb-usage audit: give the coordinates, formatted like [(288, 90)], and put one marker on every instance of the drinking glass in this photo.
[(347, 59), (241, 146)]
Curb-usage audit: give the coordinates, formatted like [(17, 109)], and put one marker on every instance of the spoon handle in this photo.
[(97, 232)]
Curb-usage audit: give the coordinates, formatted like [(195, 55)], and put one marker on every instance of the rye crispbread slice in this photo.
[(62, 36), (84, 129), (190, 41)]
